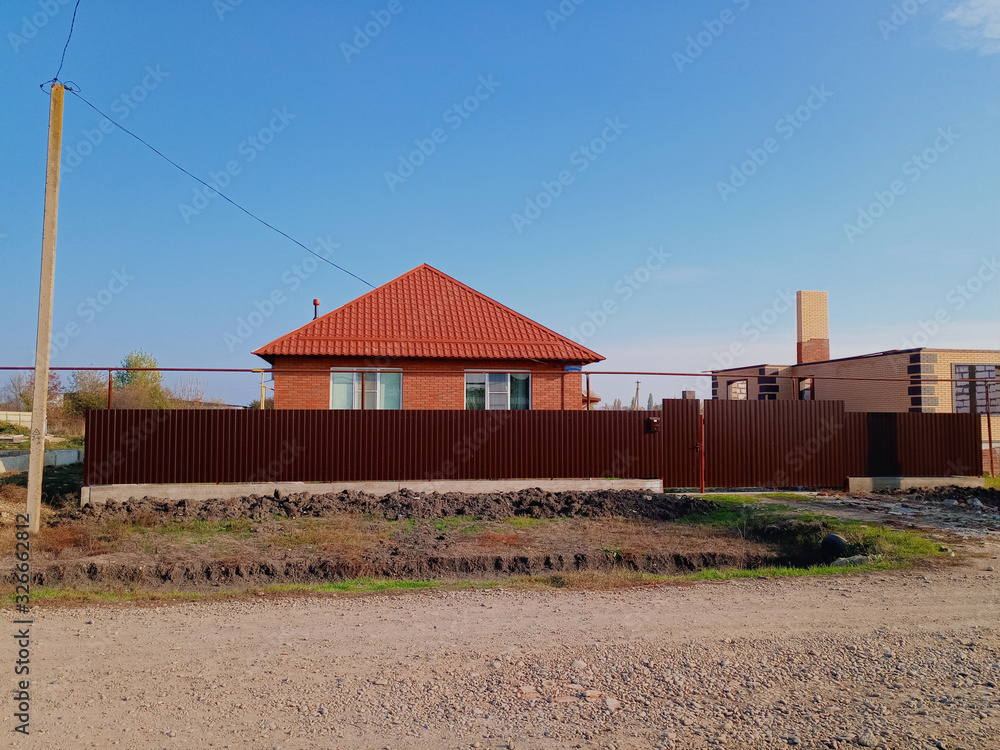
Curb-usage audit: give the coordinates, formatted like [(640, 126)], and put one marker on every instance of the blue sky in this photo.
[(684, 166)]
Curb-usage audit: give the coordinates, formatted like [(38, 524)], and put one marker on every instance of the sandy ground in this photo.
[(890, 660)]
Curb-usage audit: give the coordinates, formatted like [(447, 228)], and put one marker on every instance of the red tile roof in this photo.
[(426, 313)]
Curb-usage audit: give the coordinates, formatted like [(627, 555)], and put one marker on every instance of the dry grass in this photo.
[(617, 537), (13, 501), (347, 538), (499, 540), (333, 534)]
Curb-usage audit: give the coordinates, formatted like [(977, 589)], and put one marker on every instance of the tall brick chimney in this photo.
[(813, 327)]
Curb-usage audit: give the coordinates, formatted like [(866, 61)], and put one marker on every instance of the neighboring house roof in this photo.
[(888, 353), (426, 313)]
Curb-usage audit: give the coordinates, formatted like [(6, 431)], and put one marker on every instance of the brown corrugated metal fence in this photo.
[(748, 444), (149, 446), (679, 424), (901, 444), (775, 443)]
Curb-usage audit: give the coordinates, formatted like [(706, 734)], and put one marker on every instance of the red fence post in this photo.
[(989, 426), (701, 449)]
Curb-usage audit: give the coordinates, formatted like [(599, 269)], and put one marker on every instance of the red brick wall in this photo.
[(427, 383), (996, 460), (813, 350)]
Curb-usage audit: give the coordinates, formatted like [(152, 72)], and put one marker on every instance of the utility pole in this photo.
[(635, 404), (40, 403)]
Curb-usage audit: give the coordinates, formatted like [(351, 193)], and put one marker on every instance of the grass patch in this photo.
[(85, 596), (750, 517), (992, 482), (896, 546), (196, 530), (461, 524), (350, 586), (781, 496), (735, 511), (715, 574), (724, 498)]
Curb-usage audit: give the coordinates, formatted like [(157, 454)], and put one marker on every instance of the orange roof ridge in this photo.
[(426, 313)]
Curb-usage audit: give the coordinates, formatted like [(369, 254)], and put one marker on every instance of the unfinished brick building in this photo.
[(922, 379)]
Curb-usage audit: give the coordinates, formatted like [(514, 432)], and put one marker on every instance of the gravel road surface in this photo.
[(888, 660)]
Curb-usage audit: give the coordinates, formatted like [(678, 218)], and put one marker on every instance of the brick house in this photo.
[(426, 341), (923, 376)]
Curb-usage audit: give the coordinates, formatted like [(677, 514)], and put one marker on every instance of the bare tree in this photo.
[(19, 391), (188, 393), (87, 390)]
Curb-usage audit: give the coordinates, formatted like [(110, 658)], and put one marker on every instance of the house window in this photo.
[(497, 390), (737, 390), (970, 396), (368, 389), (805, 389)]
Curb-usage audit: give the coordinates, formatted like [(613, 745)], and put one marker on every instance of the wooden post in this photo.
[(110, 386), (43, 343)]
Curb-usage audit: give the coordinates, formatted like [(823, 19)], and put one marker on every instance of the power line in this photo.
[(222, 195), (66, 47)]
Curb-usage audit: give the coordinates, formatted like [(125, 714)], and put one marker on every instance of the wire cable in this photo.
[(66, 46), (222, 195)]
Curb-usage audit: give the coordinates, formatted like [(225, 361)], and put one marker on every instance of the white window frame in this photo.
[(356, 392), (508, 373)]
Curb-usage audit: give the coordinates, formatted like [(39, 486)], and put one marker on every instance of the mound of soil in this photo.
[(203, 571), (405, 504), (71, 555)]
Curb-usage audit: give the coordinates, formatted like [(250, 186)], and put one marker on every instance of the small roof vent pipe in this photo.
[(315, 309)]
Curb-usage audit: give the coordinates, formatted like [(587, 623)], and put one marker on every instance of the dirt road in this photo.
[(894, 660)]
